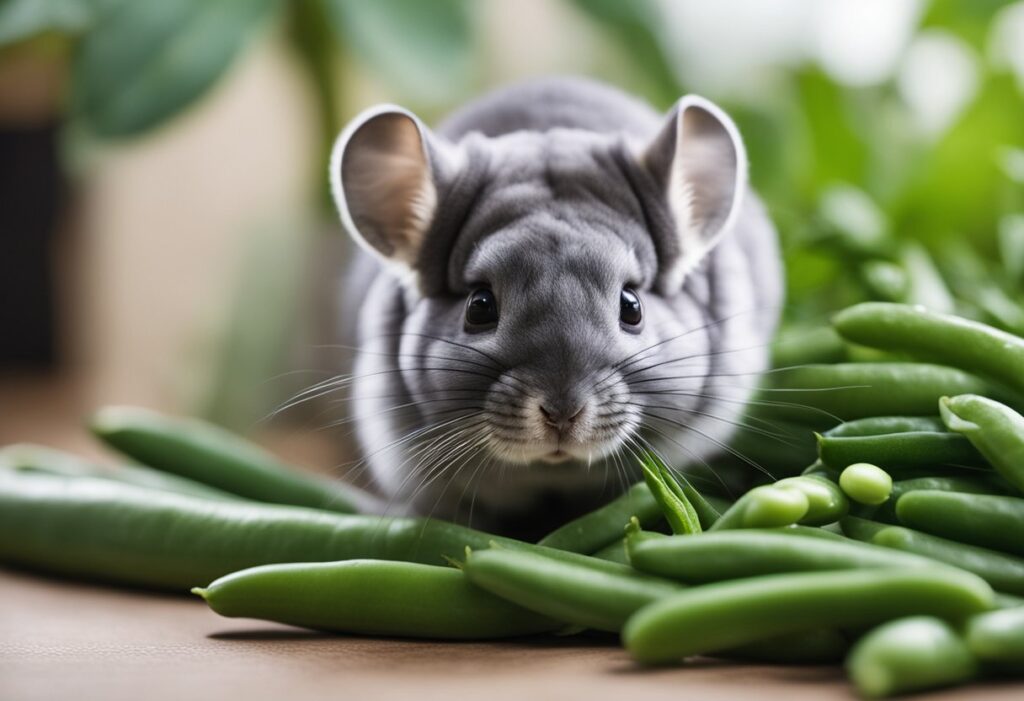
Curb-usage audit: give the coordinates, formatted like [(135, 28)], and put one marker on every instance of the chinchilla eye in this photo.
[(482, 308), (630, 311)]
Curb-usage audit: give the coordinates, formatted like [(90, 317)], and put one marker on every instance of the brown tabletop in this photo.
[(66, 640)]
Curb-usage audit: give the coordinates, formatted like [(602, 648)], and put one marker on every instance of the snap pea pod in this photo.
[(28, 458), (724, 615), (673, 502), (910, 654), (997, 637), (130, 535), (570, 592), (591, 532), (372, 597), (821, 395), (894, 451), (205, 453), (942, 338), (1004, 572), (725, 555), (879, 425), (996, 430), (989, 521), (967, 485)]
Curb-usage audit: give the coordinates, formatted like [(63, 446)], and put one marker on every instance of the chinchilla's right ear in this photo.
[(384, 170)]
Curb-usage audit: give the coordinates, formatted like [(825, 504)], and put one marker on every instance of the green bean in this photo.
[(591, 532), (674, 505), (942, 338), (866, 484), (372, 597), (1004, 572), (725, 615), (130, 535), (996, 430), (25, 457), (614, 552), (998, 637), (879, 425), (767, 506), (899, 450), (995, 522), (213, 456), (814, 344), (968, 485), (573, 593), (910, 654), (820, 395), (724, 555)]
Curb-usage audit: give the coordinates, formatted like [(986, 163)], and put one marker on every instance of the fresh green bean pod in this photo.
[(821, 395), (725, 615), (725, 555), (570, 592), (593, 531), (372, 597), (910, 654), (942, 338), (130, 535), (995, 522), (208, 454), (899, 450), (29, 458), (997, 637), (613, 552), (881, 425), (996, 430), (967, 485)]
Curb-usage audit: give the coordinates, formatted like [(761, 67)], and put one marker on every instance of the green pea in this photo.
[(996, 430), (942, 338), (725, 555), (910, 654), (989, 521), (208, 454), (715, 617), (866, 484), (372, 597), (997, 638), (826, 502)]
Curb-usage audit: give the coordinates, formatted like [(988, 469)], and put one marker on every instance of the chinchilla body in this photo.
[(554, 280)]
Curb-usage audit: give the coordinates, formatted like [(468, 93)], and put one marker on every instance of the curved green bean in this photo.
[(996, 430), (372, 597), (724, 615)]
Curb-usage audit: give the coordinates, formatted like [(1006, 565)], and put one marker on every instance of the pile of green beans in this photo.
[(899, 551)]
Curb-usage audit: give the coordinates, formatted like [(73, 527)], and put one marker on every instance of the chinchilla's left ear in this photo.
[(699, 160)]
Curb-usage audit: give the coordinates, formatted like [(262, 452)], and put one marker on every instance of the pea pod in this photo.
[(995, 522), (673, 502), (126, 534), (601, 527), (879, 425), (372, 597), (766, 506), (996, 430), (910, 654), (942, 338), (997, 638), (569, 592), (28, 458), (208, 454), (896, 451), (725, 555), (821, 395), (724, 615)]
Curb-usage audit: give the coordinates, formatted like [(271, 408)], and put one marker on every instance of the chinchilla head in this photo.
[(545, 275)]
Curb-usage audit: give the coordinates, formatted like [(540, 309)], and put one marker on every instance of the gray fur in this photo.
[(553, 193)]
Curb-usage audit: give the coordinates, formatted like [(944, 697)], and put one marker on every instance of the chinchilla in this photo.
[(551, 281)]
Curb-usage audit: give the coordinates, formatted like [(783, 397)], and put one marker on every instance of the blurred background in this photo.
[(166, 237)]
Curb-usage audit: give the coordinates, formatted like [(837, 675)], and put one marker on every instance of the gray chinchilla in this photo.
[(553, 280)]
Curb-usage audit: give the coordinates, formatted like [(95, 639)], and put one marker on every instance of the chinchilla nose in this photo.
[(560, 412)]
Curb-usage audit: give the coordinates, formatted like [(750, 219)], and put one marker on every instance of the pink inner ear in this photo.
[(387, 185)]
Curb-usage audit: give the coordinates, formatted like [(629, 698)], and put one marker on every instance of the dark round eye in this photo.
[(630, 311), (482, 308)]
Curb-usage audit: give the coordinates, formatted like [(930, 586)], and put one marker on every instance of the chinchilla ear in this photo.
[(383, 182), (699, 160)]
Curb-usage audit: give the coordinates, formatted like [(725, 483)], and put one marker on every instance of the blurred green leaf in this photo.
[(424, 49), (926, 285), (855, 218), (145, 61), (23, 19), (887, 281)]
